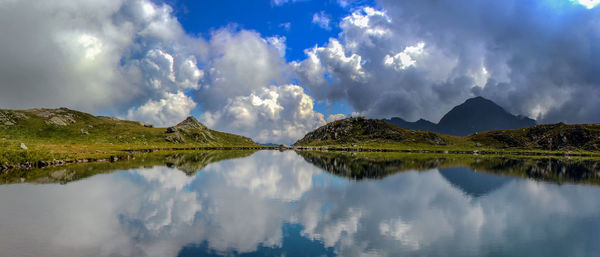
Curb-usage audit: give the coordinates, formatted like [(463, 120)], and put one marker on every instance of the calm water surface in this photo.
[(272, 203)]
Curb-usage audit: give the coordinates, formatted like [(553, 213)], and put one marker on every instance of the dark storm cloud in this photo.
[(538, 58)]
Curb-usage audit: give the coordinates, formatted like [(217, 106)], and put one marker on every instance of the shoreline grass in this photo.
[(12, 156), (44, 153), (450, 149)]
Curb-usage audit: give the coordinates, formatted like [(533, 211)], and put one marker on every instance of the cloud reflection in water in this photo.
[(244, 205)]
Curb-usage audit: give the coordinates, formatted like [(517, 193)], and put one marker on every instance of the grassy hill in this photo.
[(550, 137), (65, 134), (361, 133)]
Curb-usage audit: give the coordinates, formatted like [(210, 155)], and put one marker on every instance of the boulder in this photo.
[(175, 138), (6, 119), (144, 124), (171, 129)]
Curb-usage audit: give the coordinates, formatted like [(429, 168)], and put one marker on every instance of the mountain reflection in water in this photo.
[(361, 165), (272, 203)]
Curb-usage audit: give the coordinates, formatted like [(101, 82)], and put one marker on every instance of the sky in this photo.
[(274, 70)]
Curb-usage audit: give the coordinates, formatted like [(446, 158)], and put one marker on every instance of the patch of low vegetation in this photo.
[(64, 134)]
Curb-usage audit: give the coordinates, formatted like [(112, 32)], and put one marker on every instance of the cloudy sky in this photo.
[(276, 69)]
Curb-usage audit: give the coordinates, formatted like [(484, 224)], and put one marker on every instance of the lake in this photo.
[(272, 203)]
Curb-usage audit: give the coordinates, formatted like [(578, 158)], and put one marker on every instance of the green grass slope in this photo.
[(551, 137), (67, 134), (362, 133)]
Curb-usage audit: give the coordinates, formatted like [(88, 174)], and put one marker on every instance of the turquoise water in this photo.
[(278, 204)]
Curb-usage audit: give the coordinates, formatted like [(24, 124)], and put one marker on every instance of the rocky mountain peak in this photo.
[(191, 123), (190, 128), (476, 114)]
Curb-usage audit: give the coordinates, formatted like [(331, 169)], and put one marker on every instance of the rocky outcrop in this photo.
[(56, 117), (189, 123), (175, 137), (6, 119), (564, 136), (189, 130), (11, 118), (144, 124)]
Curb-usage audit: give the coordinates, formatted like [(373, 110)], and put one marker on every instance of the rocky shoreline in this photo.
[(44, 164), (112, 158)]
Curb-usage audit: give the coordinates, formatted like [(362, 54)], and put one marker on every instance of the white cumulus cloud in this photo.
[(271, 114), (167, 111), (334, 117)]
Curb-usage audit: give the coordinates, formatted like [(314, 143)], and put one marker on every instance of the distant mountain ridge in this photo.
[(474, 115)]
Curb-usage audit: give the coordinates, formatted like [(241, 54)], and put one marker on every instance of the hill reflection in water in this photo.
[(371, 165), (188, 162), (273, 203)]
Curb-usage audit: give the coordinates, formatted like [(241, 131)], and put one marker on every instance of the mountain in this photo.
[(361, 133), (47, 134), (474, 115), (421, 124), (479, 114)]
